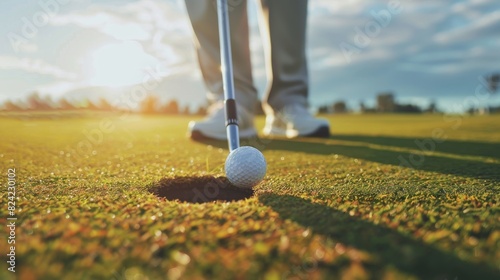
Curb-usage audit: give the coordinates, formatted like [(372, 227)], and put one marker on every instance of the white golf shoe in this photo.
[(296, 121), (214, 125)]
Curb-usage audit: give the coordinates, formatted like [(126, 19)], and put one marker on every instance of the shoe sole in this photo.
[(321, 132)]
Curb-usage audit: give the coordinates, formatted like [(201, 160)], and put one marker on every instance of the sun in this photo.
[(119, 64)]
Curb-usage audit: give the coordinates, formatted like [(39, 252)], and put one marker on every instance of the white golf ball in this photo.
[(245, 167)]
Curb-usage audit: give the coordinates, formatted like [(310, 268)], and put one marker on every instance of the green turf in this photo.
[(368, 203)]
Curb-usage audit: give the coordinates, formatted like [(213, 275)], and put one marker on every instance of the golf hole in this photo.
[(199, 189)]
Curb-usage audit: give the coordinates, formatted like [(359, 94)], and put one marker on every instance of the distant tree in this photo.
[(339, 107), (65, 105), (171, 108), (495, 109), (49, 103), (105, 105), (386, 102), (11, 107), (362, 107), (408, 108), (365, 109), (432, 107), (35, 102), (493, 81), (90, 105), (186, 111), (323, 109), (149, 105)]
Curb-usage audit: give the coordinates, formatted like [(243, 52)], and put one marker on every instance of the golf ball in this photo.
[(245, 167)]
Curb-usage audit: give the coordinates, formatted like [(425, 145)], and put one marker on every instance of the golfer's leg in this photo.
[(203, 15), (286, 101), (283, 23)]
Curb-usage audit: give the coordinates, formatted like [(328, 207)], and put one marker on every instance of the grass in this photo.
[(387, 197)]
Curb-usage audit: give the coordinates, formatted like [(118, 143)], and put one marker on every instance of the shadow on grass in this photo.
[(388, 246), (362, 150), (483, 149), (433, 163)]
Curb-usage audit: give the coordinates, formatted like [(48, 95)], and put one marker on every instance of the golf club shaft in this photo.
[(232, 130)]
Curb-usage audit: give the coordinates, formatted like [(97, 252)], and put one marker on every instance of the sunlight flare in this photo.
[(119, 64)]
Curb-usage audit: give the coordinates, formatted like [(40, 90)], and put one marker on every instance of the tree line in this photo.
[(149, 105), (152, 104), (386, 103)]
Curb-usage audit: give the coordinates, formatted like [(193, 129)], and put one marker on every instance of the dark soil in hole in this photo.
[(199, 189)]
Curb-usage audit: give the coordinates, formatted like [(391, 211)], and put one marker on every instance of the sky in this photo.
[(420, 50)]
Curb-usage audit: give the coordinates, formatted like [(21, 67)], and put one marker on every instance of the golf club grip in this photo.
[(232, 130), (231, 115)]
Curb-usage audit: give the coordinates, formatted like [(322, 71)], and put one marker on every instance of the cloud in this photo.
[(483, 27), (162, 27), (432, 49), (139, 20), (27, 47), (58, 89), (110, 24), (474, 6), (34, 66), (345, 7)]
